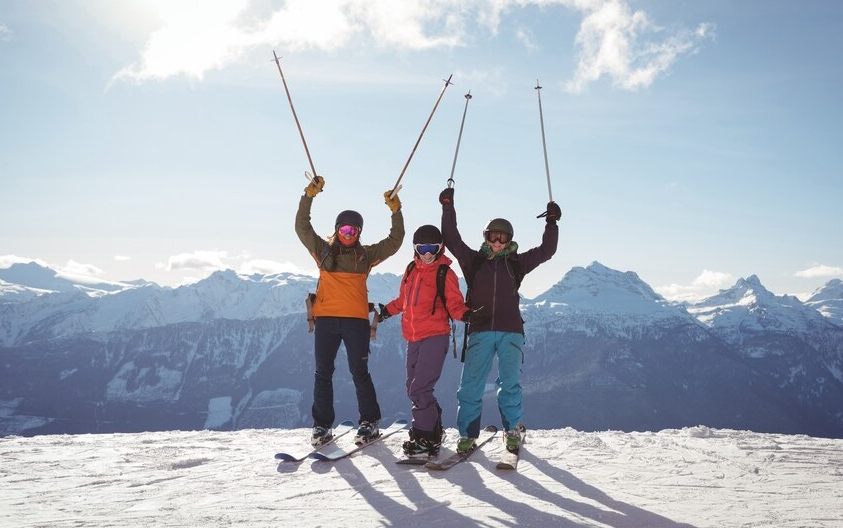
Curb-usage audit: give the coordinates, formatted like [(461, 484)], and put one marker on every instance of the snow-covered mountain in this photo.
[(603, 351), (828, 300)]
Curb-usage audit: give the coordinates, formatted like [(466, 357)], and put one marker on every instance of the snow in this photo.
[(695, 477)]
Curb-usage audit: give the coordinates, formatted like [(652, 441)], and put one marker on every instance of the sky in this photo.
[(692, 142), (695, 477)]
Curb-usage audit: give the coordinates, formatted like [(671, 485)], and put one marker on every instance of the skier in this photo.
[(341, 308), (493, 275), (428, 298)]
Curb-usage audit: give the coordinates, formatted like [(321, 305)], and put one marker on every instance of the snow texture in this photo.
[(693, 477)]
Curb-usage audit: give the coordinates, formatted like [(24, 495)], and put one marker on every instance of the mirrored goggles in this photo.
[(423, 249), (348, 231), (497, 236)]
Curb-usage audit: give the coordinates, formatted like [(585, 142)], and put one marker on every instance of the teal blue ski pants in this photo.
[(479, 355)]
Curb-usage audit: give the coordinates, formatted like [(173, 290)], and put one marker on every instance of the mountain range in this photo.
[(603, 352)]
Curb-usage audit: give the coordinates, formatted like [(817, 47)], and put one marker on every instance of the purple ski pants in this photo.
[(425, 359)]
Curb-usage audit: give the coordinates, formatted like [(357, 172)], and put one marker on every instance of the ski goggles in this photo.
[(423, 249), (348, 231), (497, 236)]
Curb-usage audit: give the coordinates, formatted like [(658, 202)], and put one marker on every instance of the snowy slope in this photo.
[(693, 477)]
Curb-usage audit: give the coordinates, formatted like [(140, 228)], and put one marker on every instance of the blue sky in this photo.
[(692, 142)]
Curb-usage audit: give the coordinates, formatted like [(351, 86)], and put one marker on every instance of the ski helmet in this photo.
[(498, 224), (427, 234), (349, 217)]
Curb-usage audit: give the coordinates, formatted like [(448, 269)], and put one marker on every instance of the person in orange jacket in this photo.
[(341, 308)]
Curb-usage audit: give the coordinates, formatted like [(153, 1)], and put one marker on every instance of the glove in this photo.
[(315, 186), (478, 316), (553, 213), (383, 314), (446, 197), (394, 203)]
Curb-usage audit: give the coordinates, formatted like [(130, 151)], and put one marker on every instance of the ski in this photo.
[(416, 461), (509, 459), (340, 430), (336, 452), (456, 458)]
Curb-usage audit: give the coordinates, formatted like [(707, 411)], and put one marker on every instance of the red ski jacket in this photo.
[(424, 314)]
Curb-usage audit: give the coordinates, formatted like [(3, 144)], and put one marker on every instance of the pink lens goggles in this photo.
[(348, 231)]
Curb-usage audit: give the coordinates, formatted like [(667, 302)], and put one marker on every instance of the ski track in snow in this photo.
[(694, 477)]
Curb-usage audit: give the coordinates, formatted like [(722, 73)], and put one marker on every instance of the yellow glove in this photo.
[(315, 186), (394, 203)]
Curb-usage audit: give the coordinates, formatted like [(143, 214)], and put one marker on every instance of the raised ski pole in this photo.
[(298, 125), (459, 138), (544, 144), (397, 183)]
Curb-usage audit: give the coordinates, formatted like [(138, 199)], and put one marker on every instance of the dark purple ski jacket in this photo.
[(494, 287)]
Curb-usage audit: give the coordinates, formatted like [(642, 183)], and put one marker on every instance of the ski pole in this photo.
[(298, 125), (395, 189), (459, 138), (544, 144)]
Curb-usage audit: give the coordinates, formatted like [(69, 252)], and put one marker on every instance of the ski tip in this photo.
[(491, 429), (349, 423), (401, 421)]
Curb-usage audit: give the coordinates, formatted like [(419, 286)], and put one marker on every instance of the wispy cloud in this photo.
[(6, 34), (6, 261), (202, 260), (269, 267), (820, 271), (613, 40), (704, 285)]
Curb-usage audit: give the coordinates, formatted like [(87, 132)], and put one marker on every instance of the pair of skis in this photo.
[(508, 460), (334, 450)]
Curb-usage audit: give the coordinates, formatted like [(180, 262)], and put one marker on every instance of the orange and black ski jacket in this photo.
[(343, 271)]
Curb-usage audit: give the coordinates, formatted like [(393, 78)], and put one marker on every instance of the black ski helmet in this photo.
[(349, 217), (499, 224), (427, 234)]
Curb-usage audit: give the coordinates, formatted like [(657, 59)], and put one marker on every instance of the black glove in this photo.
[(383, 314), (446, 197), (478, 316), (552, 214)]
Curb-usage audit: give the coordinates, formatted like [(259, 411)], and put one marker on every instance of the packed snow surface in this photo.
[(693, 477)]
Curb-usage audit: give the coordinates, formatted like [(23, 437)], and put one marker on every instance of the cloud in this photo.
[(269, 267), (612, 42), (194, 38), (197, 260), (78, 269), (704, 285), (121, 258), (6, 34), (820, 271), (6, 261)]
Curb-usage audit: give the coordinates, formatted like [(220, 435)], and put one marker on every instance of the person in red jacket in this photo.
[(425, 325)]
